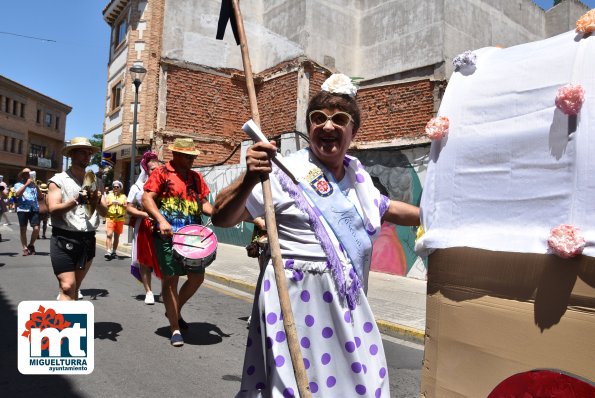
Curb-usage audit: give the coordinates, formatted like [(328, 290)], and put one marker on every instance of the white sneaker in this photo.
[(149, 298), (79, 295)]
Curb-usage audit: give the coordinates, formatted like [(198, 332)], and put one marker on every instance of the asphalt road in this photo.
[(133, 357)]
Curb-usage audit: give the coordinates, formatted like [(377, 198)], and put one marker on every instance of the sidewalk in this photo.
[(398, 303)]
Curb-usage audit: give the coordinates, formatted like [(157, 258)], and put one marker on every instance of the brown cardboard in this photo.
[(491, 315)]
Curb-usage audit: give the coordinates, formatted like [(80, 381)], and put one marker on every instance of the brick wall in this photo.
[(395, 111), (211, 108)]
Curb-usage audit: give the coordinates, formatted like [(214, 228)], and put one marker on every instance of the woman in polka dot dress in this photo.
[(326, 225)]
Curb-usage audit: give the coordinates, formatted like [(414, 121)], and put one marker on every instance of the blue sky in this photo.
[(72, 68)]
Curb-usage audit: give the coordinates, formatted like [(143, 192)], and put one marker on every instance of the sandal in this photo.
[(25, 252), (31, 250)]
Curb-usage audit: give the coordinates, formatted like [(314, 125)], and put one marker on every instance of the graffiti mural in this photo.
[(396, 176), (217, 178)]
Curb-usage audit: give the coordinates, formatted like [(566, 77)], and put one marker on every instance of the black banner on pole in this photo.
[(227, 14)]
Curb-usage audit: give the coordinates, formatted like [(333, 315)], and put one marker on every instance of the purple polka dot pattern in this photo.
[(309, 319), (331, 381), (347, 316), (280, 337), (271, 318), (376, 203), (350, 346), (305, 342), (305, 296), (334, 341), (373, 349), (359, 178), (279, 361), (298, 275), (360, 389)]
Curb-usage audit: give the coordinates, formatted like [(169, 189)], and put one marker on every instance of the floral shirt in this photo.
[(179, 201), (28, 200)]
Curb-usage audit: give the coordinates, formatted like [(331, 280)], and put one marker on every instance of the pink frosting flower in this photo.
[(566, 241), (570, 98), (437, 128), (586, 23)]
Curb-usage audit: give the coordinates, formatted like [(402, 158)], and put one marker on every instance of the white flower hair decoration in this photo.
[(338, 83)]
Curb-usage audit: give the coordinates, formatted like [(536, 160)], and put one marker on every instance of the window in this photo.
[(38, 118), (57, 126), (116, 97), (20, 147), (22, 110), (36, 151), (48, 119), (15, 105), (7, 105), (120, 33)]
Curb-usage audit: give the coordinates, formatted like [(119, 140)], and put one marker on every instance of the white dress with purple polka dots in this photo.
[(340, 343)]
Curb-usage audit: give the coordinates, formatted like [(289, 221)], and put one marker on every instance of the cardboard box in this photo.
[(492, 314)]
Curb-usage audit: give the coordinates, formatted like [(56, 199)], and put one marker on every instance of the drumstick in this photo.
[(186, 244), (202, 240)]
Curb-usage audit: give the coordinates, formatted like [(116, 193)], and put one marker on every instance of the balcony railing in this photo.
[(41, 162)]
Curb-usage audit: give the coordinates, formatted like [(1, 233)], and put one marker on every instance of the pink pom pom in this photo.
[(570, 98), (566, 241), (586, 23), (437, 128)]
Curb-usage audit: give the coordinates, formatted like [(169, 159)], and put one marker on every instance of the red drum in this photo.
[(195, 247)]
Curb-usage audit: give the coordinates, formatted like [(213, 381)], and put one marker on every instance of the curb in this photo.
[(386, 327)]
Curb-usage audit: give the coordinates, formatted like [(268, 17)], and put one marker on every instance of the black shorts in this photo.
[(25, 217), (70, 250)]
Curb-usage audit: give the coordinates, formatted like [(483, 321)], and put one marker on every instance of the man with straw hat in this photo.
[(175, 196), (72, 246)]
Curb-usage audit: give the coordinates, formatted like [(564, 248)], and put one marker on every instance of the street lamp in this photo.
[(138, 73)]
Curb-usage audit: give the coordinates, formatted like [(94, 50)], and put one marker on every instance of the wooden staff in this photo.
[(271, 225)]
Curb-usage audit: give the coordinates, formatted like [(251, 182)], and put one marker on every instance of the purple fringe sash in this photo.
[(351, 294)]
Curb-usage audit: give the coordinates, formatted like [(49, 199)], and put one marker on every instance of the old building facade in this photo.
[(32, 128), (402, 49)]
